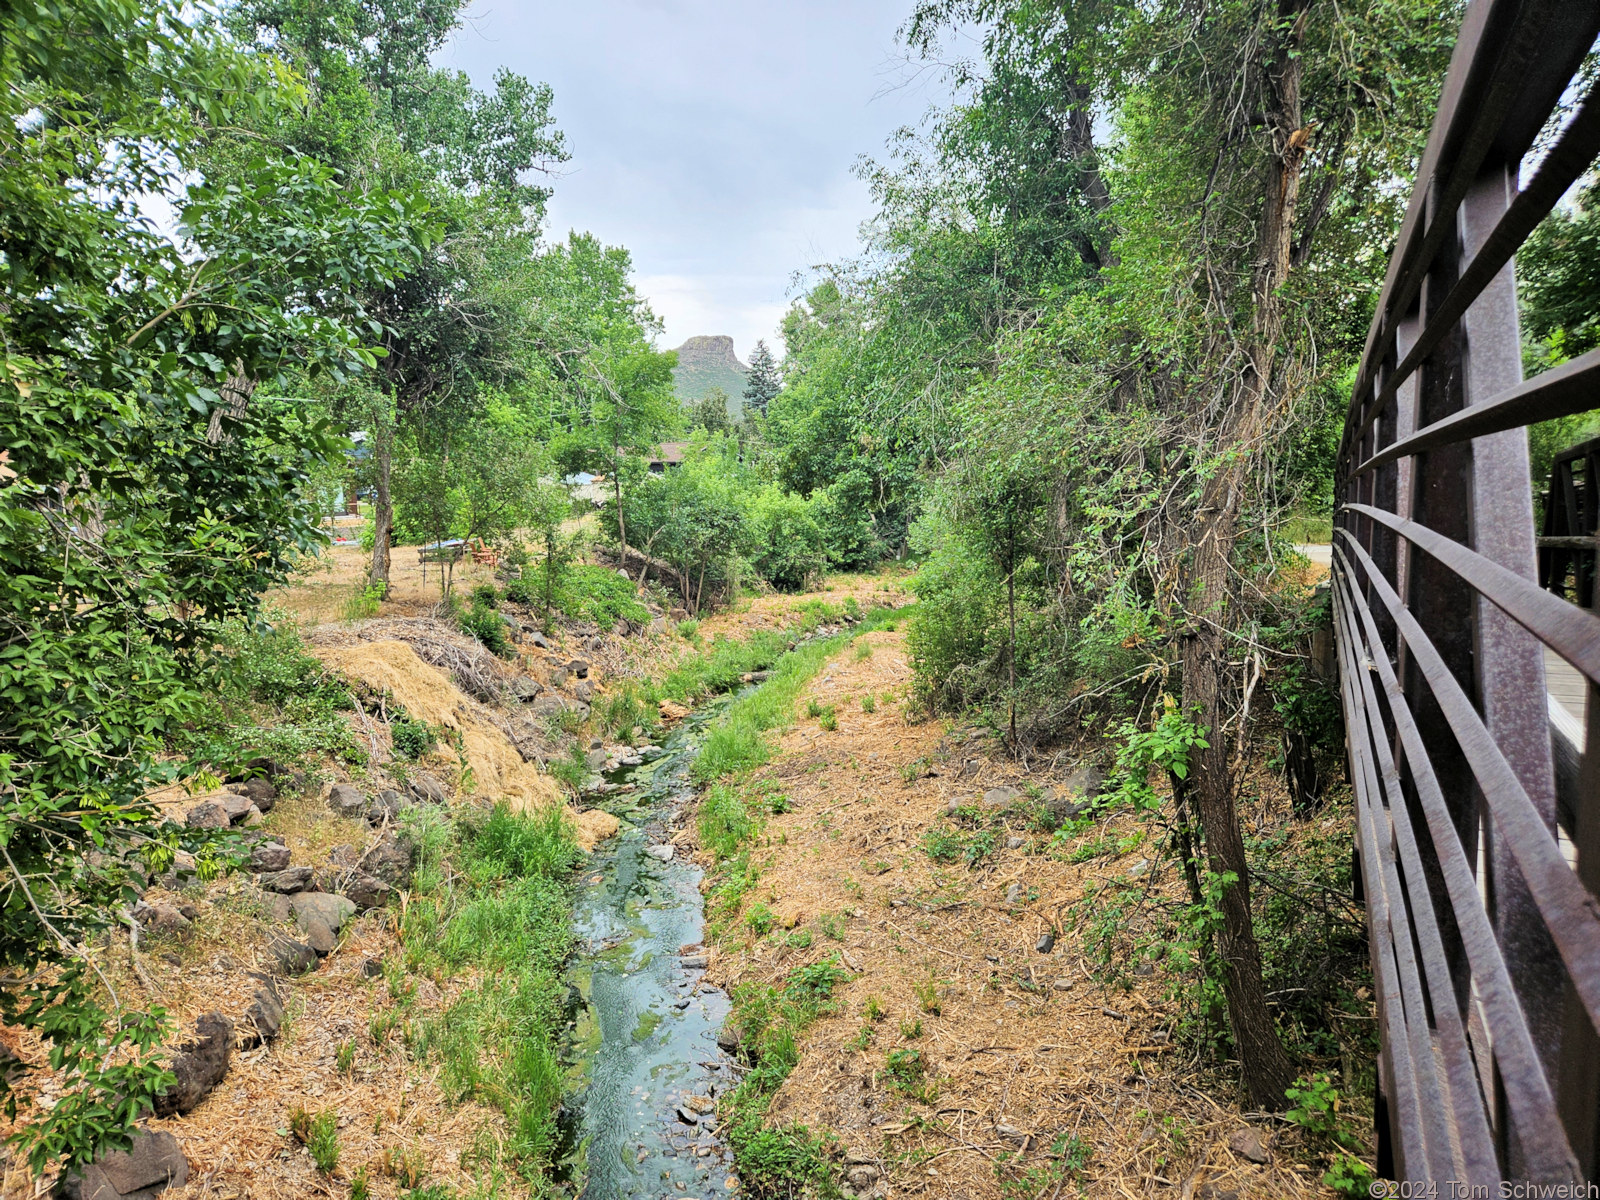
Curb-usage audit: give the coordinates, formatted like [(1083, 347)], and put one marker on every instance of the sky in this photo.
[(712, 138)]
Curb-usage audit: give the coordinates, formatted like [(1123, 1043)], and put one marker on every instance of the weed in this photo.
[(869, 704), (360, 1188), (911, 1030), (832, 926), (405, 1165), (862, 1039), (364, 603), (906, 1070), (1067, 1157), (1316, 1107), (412, 739), (829, 719), (760, 919), (687, 629), (346, 1057), (318, 1134), (863, 651), (813, 708), (943, 844), (874, 1010), (927, 993), (380, 1026), (800, 939), (724, 821)]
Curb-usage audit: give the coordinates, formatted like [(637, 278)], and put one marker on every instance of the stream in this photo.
[(643, 1053)]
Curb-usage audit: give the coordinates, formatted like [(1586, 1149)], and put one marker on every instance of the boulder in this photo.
[(555, 677), (679, 614), (548, 706), (318, 935), (390, 860), (1000, 797), (343, 855), (728, 1039), (595, 760), (385, 808), (237, 807), (141, 1172), (599, 643), (539, 640), (525, 688), (260, 792), (661, 853), (584, 691), (288, 881), (579, 668), (1251, 1144), (269, 857), (275, 907), (208, 814), (264, 1017), (333, 911), (199, 1065), (366, 891), (427, 789), (161, 918), (291, 957), (346, 800)]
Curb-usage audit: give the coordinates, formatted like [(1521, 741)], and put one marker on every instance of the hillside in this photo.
[(707, 362)]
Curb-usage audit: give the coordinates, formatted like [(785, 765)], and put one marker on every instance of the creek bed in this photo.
[(643, 1049)]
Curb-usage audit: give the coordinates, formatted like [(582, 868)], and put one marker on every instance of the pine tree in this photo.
[(762, 384)]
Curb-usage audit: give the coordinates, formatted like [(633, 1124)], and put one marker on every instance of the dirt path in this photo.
[(1023, 1050)]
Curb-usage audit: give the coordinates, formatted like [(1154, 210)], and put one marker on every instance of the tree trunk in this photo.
[(382, 508), (1207, 677), (616, 486)]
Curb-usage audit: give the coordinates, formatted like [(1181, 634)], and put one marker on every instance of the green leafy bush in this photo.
[(412, 739), (600, 595)]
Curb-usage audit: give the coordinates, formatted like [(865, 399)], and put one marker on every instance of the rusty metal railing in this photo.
[(1478, 836)]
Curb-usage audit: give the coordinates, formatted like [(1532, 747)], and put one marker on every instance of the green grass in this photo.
[(504, 920)]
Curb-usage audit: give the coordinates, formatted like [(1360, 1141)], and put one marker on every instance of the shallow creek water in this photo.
[(643, 1040)]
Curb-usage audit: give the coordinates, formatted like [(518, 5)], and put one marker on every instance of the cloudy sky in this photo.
[(712, 138)]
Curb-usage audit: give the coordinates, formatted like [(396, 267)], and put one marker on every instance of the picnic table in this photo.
[(440, 552)]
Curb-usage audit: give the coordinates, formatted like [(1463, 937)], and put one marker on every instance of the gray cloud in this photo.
[(712, 139)]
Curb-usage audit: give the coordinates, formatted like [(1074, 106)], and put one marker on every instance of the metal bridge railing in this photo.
[(1478, 839)]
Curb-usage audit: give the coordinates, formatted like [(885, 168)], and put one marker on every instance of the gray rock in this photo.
[(556, 677), (346, 800), (372, 968), (679, 614), (526, 689), (207, 815), (162, 918), (269, 856), (584, 691), (427, 789), (237, 807), (331, 910), (1001, 796), (539, 640), (143, 1171), (287, 881), (260, 792), (1064, 984), (595, 643), (760, 676), (291, 957), (385, 808), (344, 855), (631, 760), (1016, 843), (275, 907), (199, 1065), (264, 1017), (579, 668), (390, 860), (659, 625), (595, 760), (687, 1115), (1251, 1144), (862, 1177), (1015, 892), (694, 962), (661, 853), (318, 936), (1046, 942), (1139, 868), (366, 891), (728, 1039)]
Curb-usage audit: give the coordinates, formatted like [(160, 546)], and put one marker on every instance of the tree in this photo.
[(763, 382), (157, 479), (710, 412)]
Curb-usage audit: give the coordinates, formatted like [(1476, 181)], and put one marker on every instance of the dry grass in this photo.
[(1006, 1047)]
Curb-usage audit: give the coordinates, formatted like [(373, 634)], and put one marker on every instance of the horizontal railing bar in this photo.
[(1561, 392), (1569, 911), (1527, 1088), (1572, 632), (1451, 179), (1466, 1100), (1407, 1109), (1571, 156)]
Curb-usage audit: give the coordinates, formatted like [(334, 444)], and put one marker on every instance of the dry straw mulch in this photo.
[(1020, 1039)]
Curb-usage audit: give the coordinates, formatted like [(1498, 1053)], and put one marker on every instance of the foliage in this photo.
[(762, 383), (505, 921), (602, 596)]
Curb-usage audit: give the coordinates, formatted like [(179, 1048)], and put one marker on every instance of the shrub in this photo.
[(412, 739), (790, 546), (600, 595), (319, 1135), (488, 627)]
